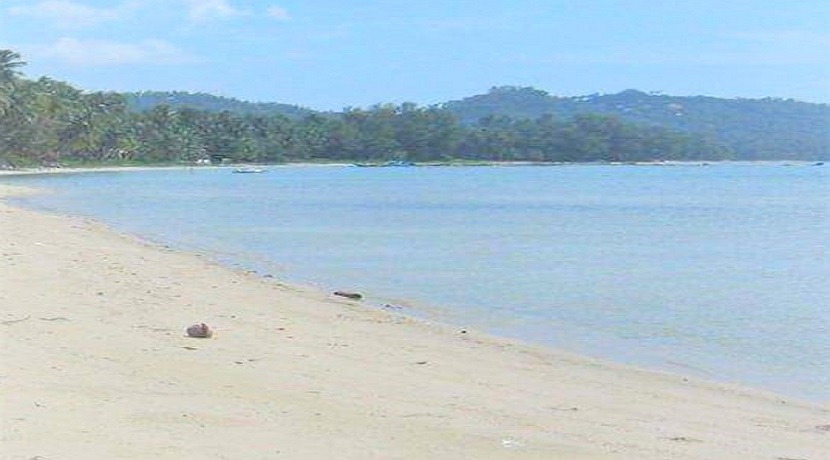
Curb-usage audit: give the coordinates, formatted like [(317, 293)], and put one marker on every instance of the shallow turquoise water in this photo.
[(718, 271)]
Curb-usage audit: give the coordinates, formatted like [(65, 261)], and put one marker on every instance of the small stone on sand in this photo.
[(200, 331)]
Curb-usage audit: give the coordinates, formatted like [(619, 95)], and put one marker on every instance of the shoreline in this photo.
[(423, 309), (71, 170), (314, 371)]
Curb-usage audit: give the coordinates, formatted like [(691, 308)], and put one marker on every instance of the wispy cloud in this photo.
[(107, 52), (210, 10), (278, 13), (66, 13)]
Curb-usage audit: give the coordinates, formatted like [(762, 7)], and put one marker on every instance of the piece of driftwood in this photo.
[(349, 295)]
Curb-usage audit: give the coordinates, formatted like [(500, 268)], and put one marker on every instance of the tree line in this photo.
[(48, 122), (754, 129)]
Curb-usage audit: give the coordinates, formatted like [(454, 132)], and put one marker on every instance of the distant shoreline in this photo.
[(86, 169)]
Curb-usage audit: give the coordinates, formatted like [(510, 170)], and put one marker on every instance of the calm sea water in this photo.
[(719, 271)]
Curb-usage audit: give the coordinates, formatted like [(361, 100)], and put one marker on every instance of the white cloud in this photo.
[(208, 10), (106, 52), (278, 13), (66, 13)]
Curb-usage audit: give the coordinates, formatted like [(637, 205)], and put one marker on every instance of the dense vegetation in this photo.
[(146, 100), (751, 128), (45, 121)]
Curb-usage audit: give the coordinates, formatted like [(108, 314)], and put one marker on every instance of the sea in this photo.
[(720, 270)]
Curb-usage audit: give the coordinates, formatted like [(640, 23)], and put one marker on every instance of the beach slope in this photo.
[(95, 363)]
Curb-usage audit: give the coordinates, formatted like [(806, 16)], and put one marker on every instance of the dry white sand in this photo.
[(95, 364)]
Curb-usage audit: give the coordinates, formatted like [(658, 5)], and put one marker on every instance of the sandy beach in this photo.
[(95, 363)]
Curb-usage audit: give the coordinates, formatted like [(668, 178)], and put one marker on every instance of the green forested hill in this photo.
[(46, 121), (751, 128), (146, 100)]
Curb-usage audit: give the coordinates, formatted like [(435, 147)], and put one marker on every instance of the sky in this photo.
[(328, 55)]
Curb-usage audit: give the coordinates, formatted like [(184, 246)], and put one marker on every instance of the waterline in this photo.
[(714, 271)]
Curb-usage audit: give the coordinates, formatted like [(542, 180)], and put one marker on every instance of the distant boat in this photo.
[(248, 170)]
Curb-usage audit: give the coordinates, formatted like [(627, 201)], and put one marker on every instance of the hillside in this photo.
[(48, 122), (145, 100), (752, 128)]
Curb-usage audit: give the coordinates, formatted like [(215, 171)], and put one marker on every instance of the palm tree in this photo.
[(9, 62)]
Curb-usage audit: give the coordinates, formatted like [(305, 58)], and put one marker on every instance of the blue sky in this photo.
[(327, 54)]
